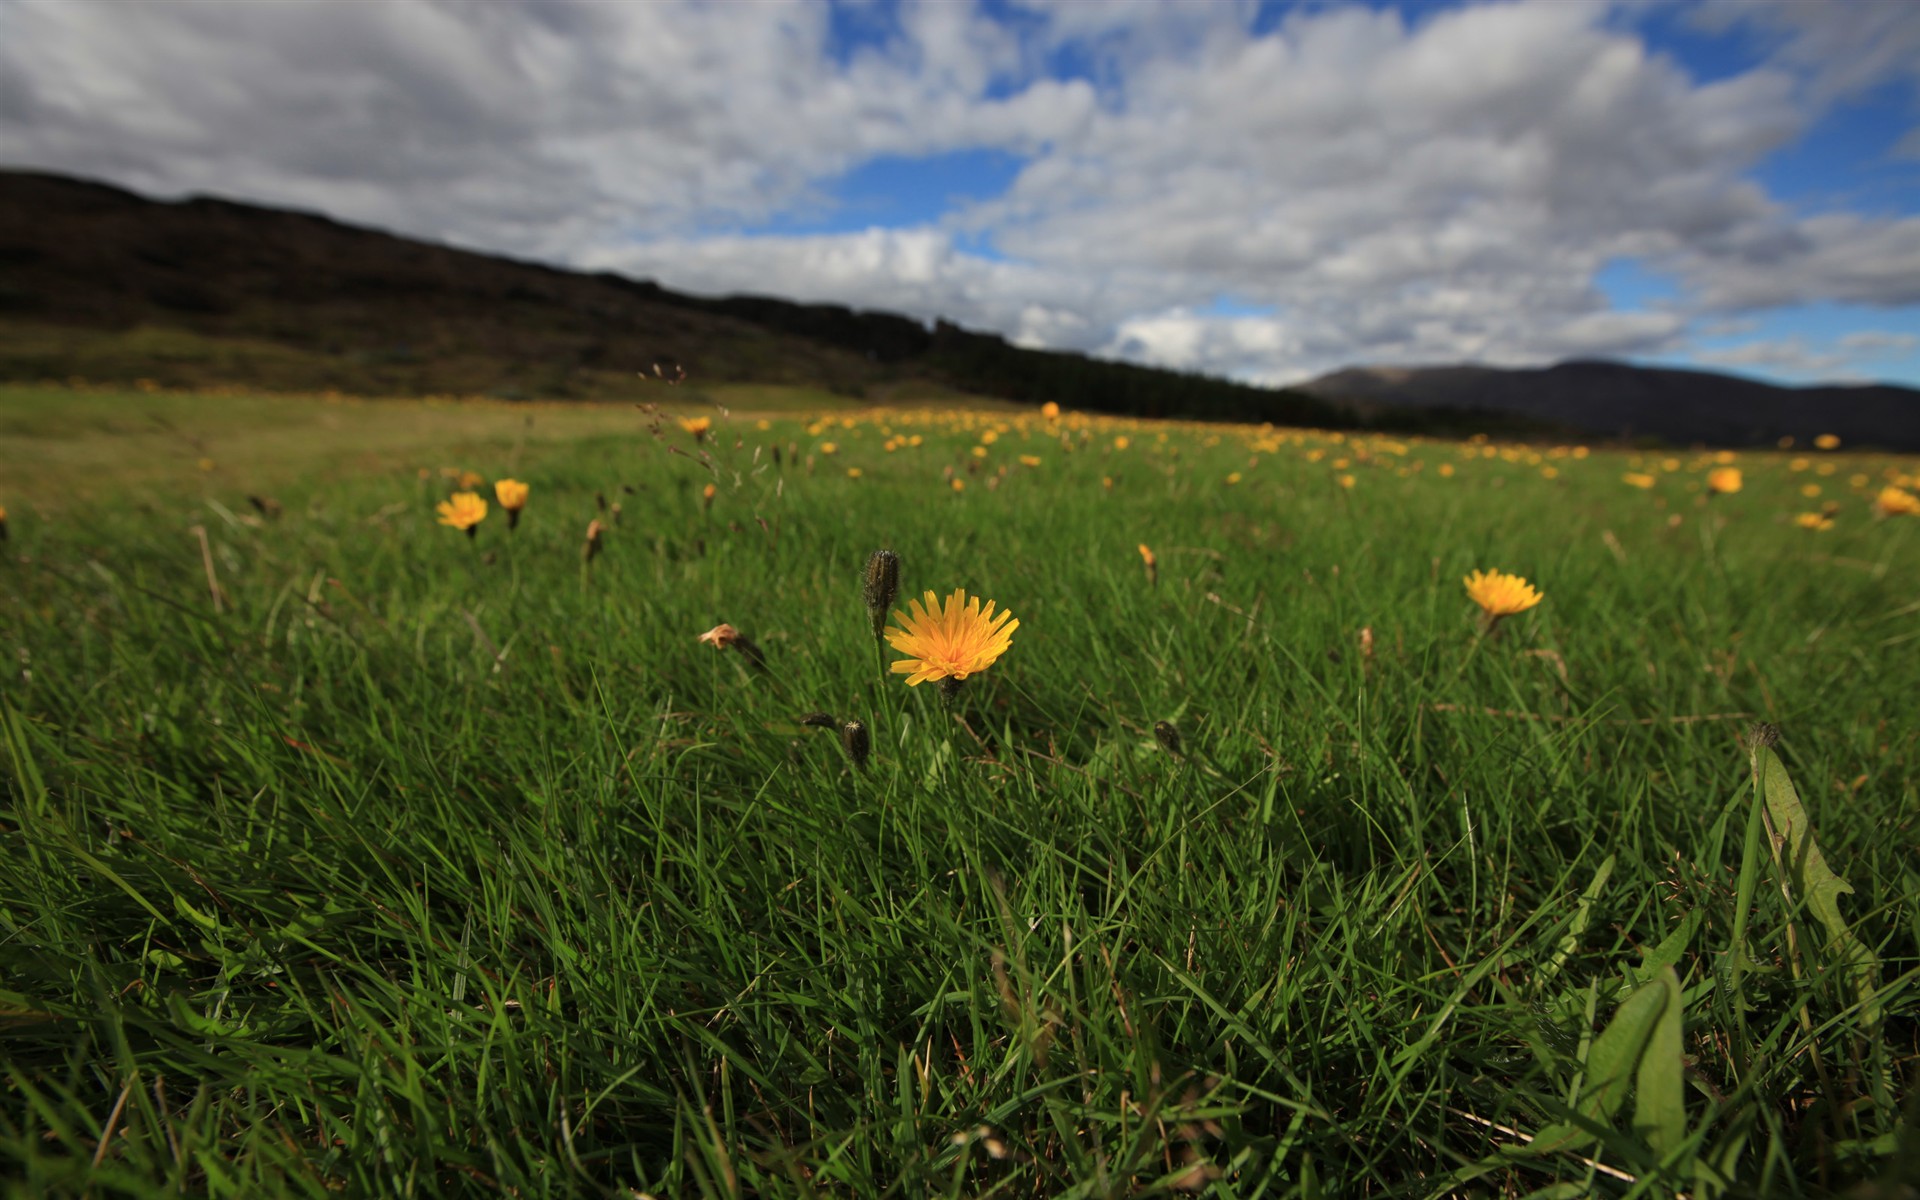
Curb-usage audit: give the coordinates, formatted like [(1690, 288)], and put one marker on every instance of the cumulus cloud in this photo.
[(1365, 187)]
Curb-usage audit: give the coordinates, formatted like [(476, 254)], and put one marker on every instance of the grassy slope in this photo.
[(456, 864)]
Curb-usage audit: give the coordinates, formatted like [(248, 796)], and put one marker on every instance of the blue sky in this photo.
[(1267, 191)]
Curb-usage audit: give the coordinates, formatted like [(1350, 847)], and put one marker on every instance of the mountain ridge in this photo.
[(101, 282)]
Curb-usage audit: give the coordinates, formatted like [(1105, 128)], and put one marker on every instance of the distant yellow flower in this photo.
[(1106, 481), (1501, 595), (1810, 490), (1895, 502), (989, 436), (471, 480), (1724, 480), (206, 464), (1446, 470), (1151, 563), (463, 510), (1146, 553), (959, 485), (950, 641), (1029, 460), (1638, 480), (511, 493), (1827, 441), (1813, 520), (1233, 477), (1121, 442), (1345, 481), (697, 426), (1798, 464), (853, 472), (1050, 411), (979, 451)]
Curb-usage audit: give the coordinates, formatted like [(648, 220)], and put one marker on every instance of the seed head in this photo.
[(820, 720), (880, 586), (853, 735), (592, 547), (1168, 737)]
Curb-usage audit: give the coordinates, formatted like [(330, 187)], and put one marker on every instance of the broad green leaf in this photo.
[(1814, 882), (1610, 1067), (1660, 1098)]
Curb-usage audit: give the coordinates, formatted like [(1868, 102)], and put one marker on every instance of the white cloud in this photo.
[(1373, 189), (1878, 343)]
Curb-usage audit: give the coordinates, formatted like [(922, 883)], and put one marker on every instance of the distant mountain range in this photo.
[(1620, 401), (100, 283)]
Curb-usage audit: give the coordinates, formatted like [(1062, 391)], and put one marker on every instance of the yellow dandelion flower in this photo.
[(463, 510), (1029, 460), (470, 481), (959, 485), (511, 493), (1798, 464), (1896, 502), (979, 451), (1827, 441), (1636, 479), (853, 472), (1501, 595), (1810, 490), (1345, 481), (989, 437), (1813, 520), (697, 426), (829, 448), (950, 641), (1724, 481), (1050, 411), (1446, 470), (1106, 481), (1233, 478), (1121, 442)]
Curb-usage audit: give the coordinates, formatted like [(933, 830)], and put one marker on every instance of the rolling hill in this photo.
[(101, 283)]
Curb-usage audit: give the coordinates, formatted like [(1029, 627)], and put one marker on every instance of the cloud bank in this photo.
[(1206, 187)]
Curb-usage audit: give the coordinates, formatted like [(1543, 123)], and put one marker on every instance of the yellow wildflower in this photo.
[(1501, 595), (1827, 441), (1896, 502), (1724, 481), (1636, 479), (1029, 460), (1813, 520), (697, 426), (950, 641), (463, 510)]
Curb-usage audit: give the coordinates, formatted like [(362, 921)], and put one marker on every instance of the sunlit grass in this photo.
[(345, 853)]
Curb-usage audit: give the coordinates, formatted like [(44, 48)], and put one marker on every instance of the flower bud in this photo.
[(880, 586)]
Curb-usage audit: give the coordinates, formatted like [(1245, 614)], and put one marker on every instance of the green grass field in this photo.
[(345, 854)]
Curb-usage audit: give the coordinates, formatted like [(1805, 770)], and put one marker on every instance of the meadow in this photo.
[(347, 853)]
